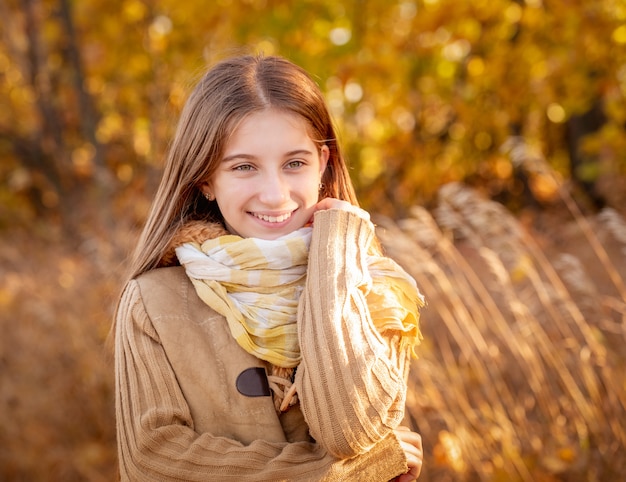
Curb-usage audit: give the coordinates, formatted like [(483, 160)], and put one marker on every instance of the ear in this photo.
[(206, 189), (324, 156)]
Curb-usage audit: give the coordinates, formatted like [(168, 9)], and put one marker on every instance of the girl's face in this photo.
[(267, 183)]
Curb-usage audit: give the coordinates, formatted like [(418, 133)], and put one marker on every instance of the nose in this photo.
[(274, 190)]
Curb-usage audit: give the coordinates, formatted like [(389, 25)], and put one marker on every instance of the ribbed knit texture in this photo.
[(351, 380)]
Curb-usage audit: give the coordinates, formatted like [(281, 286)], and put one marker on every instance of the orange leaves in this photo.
[(443, 81)]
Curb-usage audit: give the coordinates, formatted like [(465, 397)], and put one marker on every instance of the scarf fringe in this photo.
[(282, 383)]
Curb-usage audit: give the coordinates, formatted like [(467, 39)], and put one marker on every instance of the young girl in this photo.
[(262, 335)]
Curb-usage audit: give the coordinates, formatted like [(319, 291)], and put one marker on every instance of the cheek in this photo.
[(226, 184), (311, 190)]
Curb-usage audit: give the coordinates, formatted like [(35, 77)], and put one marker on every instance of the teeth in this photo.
[(273, 219)]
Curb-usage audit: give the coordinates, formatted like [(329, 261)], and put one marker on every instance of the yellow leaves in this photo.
[(476, 66), (483, 140), (133, 10), (513, 13), (110, 126), (158, 33), (321, 28), (436, 115), (388, 62), (588, 171), (619, 35), (430, 39), (376, 130), (614, 105), (141, 137), (457, 131), (457, 50), (403, 118), (534, 16), (469, 28), (556, 113), (371, 164), (177, 95), (539, 70), (21, 96), (13, 79), (138, 64), (400, 25), (265, 46)]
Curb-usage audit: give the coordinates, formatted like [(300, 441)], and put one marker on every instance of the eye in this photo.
[(296, 163), (243, 167)]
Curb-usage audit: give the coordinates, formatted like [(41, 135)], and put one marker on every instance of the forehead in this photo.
[(270, 126)]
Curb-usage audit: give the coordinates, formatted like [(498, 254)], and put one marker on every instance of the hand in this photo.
[(411, 443), (332, 203)]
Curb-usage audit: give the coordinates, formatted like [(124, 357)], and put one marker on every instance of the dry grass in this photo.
[(522, 373), (520, 377), (56, 399)]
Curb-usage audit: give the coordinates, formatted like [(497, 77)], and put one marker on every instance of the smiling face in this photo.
[(267, 183)]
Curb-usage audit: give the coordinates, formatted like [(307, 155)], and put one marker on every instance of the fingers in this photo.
[(413, 454), (411, 443), (404, 434), (332, 203), (408, 477)]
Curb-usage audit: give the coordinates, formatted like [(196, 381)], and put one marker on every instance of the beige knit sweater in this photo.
[(180, 416)]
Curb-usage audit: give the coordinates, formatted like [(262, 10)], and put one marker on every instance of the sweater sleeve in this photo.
[(156, 436), (351, 380)]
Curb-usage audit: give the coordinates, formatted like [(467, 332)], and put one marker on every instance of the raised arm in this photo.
[(157, 439), (351, 380)]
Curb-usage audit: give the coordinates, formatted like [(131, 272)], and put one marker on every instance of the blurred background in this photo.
[(486, 137)]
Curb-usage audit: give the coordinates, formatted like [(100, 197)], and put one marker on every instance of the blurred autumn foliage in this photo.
[(524, 100), (424, 92)]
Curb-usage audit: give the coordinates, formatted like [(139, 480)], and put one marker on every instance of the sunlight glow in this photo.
[(340, 35)]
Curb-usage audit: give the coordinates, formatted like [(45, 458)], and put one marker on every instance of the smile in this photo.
[(273, 219)]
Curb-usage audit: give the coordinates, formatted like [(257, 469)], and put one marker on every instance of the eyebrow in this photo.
[(295, 152)]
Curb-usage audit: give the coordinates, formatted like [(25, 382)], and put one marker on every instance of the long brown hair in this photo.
[(228, 92)]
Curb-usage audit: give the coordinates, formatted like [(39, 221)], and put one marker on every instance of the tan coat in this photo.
[(181, 417)]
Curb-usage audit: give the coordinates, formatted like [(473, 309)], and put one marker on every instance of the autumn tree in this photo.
[(424, 92)]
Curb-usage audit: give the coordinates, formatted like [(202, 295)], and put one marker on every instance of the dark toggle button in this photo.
[(252, 382)]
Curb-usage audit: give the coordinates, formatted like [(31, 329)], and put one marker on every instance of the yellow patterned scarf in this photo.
[(256, 284)]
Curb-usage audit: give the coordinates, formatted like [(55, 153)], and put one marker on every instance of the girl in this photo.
[(261, 334)]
